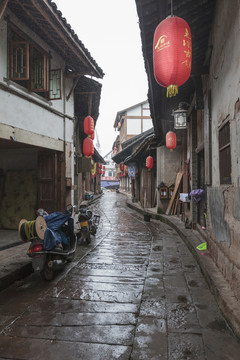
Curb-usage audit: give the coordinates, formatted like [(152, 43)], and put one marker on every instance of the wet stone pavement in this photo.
[(135, 292)]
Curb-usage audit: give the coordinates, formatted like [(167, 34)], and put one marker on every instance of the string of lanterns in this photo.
[(88, 146)]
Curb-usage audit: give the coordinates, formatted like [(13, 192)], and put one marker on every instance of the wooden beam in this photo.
[(85, 92), (3, 5), (136, 117), (90, 101), (73, 87), (175, 192)]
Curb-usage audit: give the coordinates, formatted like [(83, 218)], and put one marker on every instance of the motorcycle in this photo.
[(87, 222), (53, 241)]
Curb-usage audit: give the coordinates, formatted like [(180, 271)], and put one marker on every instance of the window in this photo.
[(19, 69), (55, 81), (225, 154), (38, 70), (29, 67)]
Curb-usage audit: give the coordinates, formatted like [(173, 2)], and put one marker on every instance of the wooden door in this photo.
[(50, 180)]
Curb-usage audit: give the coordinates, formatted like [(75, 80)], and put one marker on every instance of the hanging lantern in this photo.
[(88, 125), (149, 162), (88, 147), (171, 140), (119, 125), (121, 167), (115, 150), (92, 136), (172, 53)]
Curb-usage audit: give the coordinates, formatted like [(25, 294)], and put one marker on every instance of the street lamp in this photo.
[(180, 118)]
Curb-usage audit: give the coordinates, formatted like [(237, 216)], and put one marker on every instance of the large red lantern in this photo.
[(172, 53), (149, 162), (88, 125), (171, 140), (88, 147)]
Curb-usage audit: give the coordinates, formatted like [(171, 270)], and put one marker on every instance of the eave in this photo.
[(46, 20)]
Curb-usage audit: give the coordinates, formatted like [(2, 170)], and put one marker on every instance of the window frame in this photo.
[(45, 77), (12, 64), (51, 71), (27, 80), (225, 161)]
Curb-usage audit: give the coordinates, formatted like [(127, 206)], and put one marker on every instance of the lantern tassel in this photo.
[(172, 90)]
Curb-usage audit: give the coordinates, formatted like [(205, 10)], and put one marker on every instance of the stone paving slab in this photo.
[(14, 264), (39, 349)]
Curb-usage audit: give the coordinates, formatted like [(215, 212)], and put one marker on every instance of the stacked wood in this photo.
[(173, 203)]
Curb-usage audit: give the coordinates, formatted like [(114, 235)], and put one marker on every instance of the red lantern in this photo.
[(88, 147), (149, 162), (171, 140), (88, 125), (119, 125), (172, 53), (115, 151), (121, 167), (92, 136)]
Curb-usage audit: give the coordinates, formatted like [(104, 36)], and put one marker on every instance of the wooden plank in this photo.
[(3, 5), (176, 203), (177, 183)]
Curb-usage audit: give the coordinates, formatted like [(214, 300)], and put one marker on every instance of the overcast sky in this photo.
[(109, 30)]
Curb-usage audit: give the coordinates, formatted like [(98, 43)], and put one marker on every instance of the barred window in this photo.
[(225, 166)]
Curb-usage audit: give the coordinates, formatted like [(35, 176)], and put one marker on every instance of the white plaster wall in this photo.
[(224, 81), (168, 165), (28, 116), (137, 110)]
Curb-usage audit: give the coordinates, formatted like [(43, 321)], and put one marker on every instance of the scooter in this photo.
[(87, 222), (53, 242)]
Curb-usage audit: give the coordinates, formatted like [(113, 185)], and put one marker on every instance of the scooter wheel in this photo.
[(47, 273), (88, 239), (93, 230)]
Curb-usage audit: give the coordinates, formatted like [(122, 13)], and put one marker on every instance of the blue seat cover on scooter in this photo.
[(54, 222)]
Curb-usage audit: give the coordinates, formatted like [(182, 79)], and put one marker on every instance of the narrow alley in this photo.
[(135, 292)]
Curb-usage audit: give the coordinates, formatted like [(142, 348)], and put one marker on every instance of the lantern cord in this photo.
[(171, 7)]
